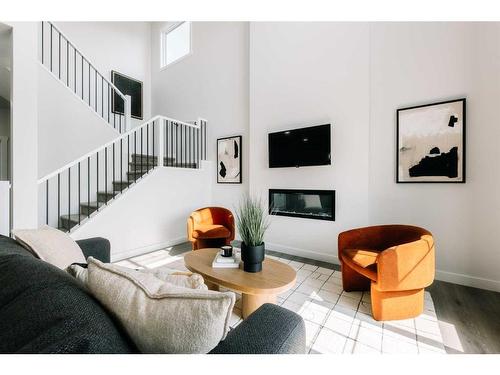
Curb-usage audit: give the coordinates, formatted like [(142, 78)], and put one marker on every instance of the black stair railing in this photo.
[(184, 145), (77, 191), (63, 59)]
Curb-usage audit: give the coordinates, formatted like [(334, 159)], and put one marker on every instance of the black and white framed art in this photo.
[(229, 160), (128, 86), (431, 143)]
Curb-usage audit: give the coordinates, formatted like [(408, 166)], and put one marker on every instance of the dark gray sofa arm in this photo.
[(269, 330), (96, 247)]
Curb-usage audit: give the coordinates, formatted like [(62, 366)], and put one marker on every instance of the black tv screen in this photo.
[(300, 147)]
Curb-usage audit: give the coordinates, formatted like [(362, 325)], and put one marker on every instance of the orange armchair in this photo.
[(396, 262), (210, 227)]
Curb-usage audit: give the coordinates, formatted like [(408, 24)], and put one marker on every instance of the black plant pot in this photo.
[(252, 257)]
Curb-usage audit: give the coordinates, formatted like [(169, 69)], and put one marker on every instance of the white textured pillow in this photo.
[(158, 316), (179, 278), (78, 272), (50, 245)]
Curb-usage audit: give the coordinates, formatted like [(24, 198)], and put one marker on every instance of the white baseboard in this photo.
[(147, 249), (302, 253), (451, 277), (473, 281)]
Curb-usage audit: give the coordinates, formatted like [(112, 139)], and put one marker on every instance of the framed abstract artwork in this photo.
[(128, 86), (229, 160), (431, 143)]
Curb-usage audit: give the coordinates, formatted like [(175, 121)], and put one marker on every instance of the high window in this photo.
[(175, 43)]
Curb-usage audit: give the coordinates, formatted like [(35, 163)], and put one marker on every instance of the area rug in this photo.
[(337, 322)]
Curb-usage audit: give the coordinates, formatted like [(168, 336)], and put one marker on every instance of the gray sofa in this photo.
[(44, 310)]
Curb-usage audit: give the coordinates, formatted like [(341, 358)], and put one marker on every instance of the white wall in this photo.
[(121, 46), (356, 76), (421, 63), (212, 83), (24, 102), (304, 75), (67, 127), (153, 213)]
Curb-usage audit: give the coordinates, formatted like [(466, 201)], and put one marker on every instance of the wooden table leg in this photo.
[(251, 302)]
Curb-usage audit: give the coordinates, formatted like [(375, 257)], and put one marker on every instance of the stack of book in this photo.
[(226, 262)]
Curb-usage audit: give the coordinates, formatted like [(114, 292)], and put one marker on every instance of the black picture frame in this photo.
[(430, 179), (220, 179), (128, 86)]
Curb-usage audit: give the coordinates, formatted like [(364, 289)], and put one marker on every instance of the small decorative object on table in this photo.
[(221, 260), (227, 250), (252, 222)]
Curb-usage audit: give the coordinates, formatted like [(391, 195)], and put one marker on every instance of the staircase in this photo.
[(75, 70), (137, 170), (76, 192), (139, 166)]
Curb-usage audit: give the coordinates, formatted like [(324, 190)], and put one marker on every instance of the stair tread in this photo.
[(139, 171), (73, 217), (92, 204), (155, 157), (110, 193)]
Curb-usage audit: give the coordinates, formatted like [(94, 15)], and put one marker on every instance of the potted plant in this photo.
[(252, 221)]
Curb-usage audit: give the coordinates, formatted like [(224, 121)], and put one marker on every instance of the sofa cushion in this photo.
[(44, 310), (9, 246), (50, 245), (211, 231)]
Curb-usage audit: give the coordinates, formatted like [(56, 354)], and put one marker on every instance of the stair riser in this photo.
[(132, 177), (144, 159), (137, 159), (64, 223), (102, 197), (137, 167), (184, 165), (86, 210), (119, 186)]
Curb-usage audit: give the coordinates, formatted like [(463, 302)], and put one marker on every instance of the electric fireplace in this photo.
[(309, 204)]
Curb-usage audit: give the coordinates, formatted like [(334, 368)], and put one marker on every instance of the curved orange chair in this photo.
[(210, 227), (394, 262)]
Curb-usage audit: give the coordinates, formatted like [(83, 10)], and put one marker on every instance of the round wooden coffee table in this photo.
[(255, 288)]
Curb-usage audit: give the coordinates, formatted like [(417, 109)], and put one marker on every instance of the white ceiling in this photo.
[(5, 61)]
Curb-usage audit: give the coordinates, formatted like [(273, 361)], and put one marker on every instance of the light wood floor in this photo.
[(469, 318)]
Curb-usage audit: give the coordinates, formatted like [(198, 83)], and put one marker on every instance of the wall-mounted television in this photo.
[(300, 147)]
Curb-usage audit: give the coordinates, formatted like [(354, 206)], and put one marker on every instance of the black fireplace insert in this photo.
[(309, 204)]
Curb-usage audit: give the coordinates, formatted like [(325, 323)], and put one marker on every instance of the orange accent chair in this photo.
[(210, 227), (396, 262)]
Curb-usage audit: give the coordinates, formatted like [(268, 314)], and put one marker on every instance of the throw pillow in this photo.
[(179, 278), (161, 317), (78, 272), (50, 245)]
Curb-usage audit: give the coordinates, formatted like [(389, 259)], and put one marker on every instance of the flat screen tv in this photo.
[(300, 147)]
